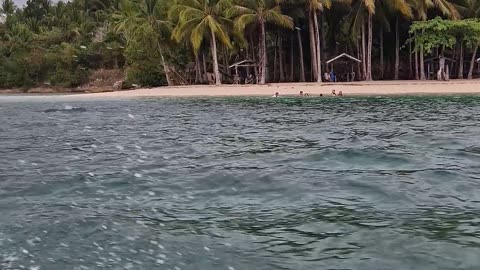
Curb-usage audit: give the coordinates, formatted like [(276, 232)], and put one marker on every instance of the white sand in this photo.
[(314, 89)]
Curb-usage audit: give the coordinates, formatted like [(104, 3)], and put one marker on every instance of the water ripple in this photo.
[(240, 183)]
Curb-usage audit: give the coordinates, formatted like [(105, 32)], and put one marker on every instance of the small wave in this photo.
[(66, 109)]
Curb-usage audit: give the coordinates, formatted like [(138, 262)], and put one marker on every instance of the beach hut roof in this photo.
[(244, 63), (343, 55), (437, 58)]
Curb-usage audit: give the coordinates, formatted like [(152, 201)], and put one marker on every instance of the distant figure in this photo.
[(332, 76), (249, 79), (333, 92), (276, 94), (327, 77), (340, 93), (353, 76), (321, 95), (306, 95), (440, 75), (301, 93)]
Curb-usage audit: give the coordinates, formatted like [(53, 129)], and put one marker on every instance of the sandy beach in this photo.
[(314, 89)]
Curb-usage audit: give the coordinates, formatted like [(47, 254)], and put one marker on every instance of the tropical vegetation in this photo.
[(172, 42)]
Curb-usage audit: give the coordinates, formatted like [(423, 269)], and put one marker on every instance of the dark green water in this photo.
[(207, 184)]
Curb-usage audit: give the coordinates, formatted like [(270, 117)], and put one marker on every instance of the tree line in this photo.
[(168, 42)]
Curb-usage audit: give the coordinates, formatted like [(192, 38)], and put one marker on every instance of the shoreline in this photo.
[(361, 88)]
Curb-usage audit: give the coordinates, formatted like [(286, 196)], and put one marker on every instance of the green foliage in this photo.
[(440, 33), (62, 43)]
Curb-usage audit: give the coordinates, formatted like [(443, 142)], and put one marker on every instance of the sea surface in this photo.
[(240, 183)]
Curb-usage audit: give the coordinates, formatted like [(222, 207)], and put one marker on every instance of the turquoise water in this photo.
[(240, 183)]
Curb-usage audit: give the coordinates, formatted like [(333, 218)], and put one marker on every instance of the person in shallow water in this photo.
[(276, 94), (334, 93), (301, 93), (340, 93)]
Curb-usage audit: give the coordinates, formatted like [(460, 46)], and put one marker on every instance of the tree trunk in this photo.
[(198, 71), (292, 36), (359, 56), (472, 62), (302, 64), (410, 62), (364, 58), (397, 50), (422, 65), (275, 63), (313, 47), (382, 64), (280, 59), (226, 70), (417, 77), (205, 71), (369, 49), (215, 60), (263, 54), (318, 48), (460, 62), (165, 67)]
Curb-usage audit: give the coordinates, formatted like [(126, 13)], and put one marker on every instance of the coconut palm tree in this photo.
[(8, 7), (198, 19), (145, 19), (399, 8), (313, 7), (259, 13)]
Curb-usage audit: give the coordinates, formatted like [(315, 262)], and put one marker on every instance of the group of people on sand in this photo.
[(304, 94)]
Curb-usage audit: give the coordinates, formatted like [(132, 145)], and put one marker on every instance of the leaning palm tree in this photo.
[(144, 20), (198, 19), (259, 12)]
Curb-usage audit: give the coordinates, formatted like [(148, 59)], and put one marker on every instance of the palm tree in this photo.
[(400, 8), (8, 7), (259, 12), (313, 7), (198, 19), (144, 19)]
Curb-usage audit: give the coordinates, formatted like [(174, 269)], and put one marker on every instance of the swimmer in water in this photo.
[(321, 95), (276, 94), (301, 93), (340, 93), (333, 92)]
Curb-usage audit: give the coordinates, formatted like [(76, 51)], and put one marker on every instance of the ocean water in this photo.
[(240, 183)]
